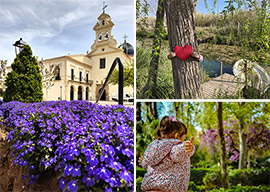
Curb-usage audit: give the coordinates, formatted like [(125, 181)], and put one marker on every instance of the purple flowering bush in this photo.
[(90, 146), (258, 138)]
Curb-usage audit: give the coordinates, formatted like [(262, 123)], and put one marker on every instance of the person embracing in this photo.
[(167, 159)]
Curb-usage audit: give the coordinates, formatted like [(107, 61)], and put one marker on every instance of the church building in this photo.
[(80, 77)]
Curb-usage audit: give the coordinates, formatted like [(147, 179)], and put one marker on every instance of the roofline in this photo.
[(70, 58)]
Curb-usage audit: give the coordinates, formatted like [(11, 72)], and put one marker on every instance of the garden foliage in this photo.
[(88, 145), (209, 179), (24, 82)]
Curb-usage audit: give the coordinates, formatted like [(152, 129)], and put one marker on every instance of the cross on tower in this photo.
[(104, 7), (125, 38)]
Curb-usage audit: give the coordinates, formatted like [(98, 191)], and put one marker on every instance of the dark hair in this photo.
[(168, 128)]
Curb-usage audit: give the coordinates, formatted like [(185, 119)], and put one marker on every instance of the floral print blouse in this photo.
[(167, 166)]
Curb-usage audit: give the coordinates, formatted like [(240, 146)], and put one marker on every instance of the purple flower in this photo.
[(103, 173), (32, 167), (76, 172), (68, 170), (62, 184), (113, 181), (106, 158), (128, 152), (70, 156), (88, 181), (87, 151), (90, 169), (93, 161), (127, 176), (116, 165), (72, 186)]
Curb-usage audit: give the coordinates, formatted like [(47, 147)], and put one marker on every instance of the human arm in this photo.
[(155, 152), (182, 151)]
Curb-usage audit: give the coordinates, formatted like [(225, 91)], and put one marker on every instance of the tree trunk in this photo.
[(242, 142), (248, 160), (155, 113), (138, 112), (152, 109), (176, 106), (181, 32), (149, 90), (225, 177)]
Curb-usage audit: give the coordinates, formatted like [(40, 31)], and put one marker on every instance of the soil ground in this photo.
[(11, 175)]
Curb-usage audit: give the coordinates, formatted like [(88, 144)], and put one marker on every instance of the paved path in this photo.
[(223, 86)]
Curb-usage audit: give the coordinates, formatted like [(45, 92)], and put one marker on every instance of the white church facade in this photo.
[(80, 77)]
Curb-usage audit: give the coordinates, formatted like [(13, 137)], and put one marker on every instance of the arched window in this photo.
[(79, 93), (71, 93), (100, 37), (86, 93), (107, 35)]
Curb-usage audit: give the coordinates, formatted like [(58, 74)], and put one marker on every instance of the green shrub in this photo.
[(193, 187), (240, 188), (258, 177), (141, 34), (197, 175), (151, 35), (138, 184), (140, 172), (238, 176), (203, 164), (201, 34), (24, 82), (250, 177), (212, 180)]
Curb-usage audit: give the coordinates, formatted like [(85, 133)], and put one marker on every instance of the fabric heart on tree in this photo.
[(183, 52)]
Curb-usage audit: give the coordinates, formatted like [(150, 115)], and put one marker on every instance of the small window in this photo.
[(103, 22), (102, 63), (58, 75), (80, 76), (100, 37), (107, 35), (72, 74), (86, 77)]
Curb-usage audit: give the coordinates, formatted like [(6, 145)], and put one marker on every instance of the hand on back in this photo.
[(188, 146)]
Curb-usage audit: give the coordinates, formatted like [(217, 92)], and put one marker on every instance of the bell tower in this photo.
[(103, 29)]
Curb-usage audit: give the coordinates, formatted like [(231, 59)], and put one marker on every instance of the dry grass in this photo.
[(225, 53)]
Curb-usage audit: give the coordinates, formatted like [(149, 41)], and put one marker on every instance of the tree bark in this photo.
[(181, 32), (242, 142), (225, 177), (149, 90), (138, 112), (155, 114), (152, 106), (176, 106)]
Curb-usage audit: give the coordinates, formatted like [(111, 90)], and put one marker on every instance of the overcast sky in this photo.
[(55, 28)]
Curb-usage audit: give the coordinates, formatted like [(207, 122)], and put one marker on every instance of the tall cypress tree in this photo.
[(24, 82)]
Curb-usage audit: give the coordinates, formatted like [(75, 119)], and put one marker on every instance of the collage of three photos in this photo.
[(145, 95)]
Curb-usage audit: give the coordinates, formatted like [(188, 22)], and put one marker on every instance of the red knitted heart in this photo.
[(183, 52)]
